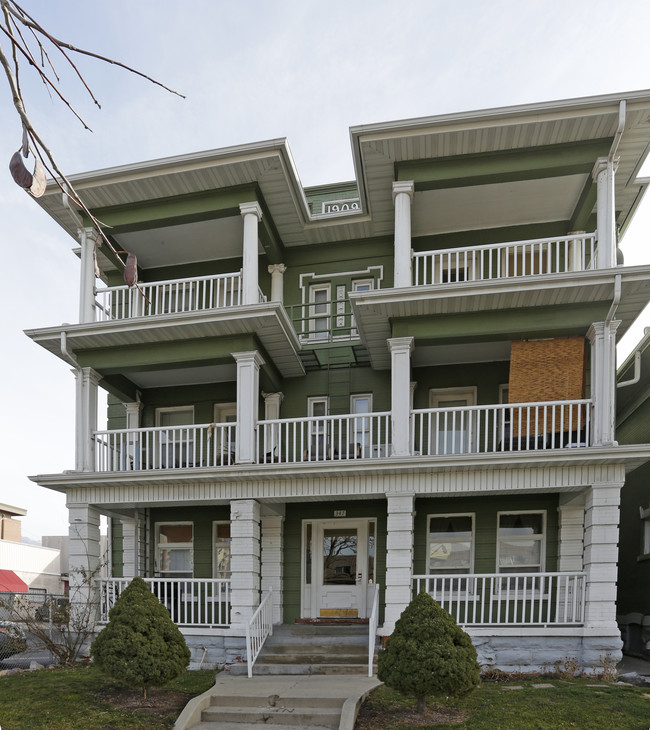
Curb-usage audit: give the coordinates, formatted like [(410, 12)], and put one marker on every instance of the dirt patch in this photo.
[(159, 702), (370, 719)]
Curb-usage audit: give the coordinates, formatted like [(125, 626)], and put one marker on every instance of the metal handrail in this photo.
[(258, 629), (372, 630)]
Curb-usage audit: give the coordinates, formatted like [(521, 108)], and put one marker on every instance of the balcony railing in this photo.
[(299, 440), (165, 447), (505, 260), (190, 601), (508, 427), (508, 599), (319, 322), (173, 296)]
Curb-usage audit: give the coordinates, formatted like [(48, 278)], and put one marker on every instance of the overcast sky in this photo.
[(254, 70)]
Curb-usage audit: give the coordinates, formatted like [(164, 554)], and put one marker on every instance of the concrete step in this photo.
[(253, 726), (276, 700), (306, 657), (297, 669), (316, 647), (280, 715)]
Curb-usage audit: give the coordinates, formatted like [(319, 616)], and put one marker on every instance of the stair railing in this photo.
[(372, 629), (258, 629)]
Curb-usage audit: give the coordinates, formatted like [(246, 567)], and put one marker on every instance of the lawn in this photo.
[(81, 698), (577, 703)]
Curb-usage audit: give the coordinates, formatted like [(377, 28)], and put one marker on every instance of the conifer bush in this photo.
[(140, 646), (428, 654)]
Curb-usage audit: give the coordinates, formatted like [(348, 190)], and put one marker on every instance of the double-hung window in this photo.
[(319, 311), (450, 551), (174, 550), (521, 543)]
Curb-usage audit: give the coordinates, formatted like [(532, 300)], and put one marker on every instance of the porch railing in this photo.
[(508, 427), (325, 321), (258, 629), (350, 436), (165, 447), (508, 599), (504, 260), (190, 601), (171, 296), (372, 630)]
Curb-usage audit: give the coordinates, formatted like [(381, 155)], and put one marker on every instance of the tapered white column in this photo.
[(252, 215), (277, 281), (272, 559), (402, 196), (244, 562), (400, 380), (399, 557), (87, 237), (83, 563), (601, 554), (248, 377), (86, 381), (604, 174), (602, 337)]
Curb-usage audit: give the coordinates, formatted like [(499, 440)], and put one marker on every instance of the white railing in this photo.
[(372, 630), (350, 436), (258, 629), (503, 260), (190, 601), (169, 297), (165, 447), (507, 427), (508, 599)]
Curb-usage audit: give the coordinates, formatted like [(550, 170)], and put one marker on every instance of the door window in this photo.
[(340, 556), (454, 427)]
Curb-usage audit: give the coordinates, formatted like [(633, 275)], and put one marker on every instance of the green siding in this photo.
[(485, 509), (117, 549)]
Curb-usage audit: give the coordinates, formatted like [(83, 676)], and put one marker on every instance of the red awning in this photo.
[(11, 583)]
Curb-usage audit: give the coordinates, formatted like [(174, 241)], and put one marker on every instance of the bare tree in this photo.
[(32, 46)]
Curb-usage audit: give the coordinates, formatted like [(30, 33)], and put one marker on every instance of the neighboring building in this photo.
[(405, 381), (633, 427), (25, 567)]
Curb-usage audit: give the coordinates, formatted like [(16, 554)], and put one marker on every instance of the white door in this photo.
[(342, 567)]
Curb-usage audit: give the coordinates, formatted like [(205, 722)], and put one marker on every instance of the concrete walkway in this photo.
[(348, 690)]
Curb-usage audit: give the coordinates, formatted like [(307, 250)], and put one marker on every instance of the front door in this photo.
[(340, 568)]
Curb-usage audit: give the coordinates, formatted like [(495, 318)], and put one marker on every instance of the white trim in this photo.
[(215, 539)]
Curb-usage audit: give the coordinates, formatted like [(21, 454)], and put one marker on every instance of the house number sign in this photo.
[(339, 513)]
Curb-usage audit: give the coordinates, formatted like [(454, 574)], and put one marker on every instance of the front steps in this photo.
[(299, 649)]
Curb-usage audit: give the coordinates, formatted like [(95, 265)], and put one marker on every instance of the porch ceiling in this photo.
[(376, 311), (268, 322)]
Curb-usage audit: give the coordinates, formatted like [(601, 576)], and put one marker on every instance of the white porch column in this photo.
[(86, 381), (248, 378), (603, 173), (272, 403), (277, 282), (400, 379), (603, 381), (83, 562), (601, 554), (252, 215), (244, 562), (272, 559), (402, 197), (87, 237), (571, 519), (399, 557), (129, 547)]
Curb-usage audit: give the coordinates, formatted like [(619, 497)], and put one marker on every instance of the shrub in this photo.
[(140, 645), (428, 654)]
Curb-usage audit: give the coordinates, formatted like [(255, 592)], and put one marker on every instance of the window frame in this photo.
[(436, 515), (541, 538), (469, 393), (179, 546), (172, 409), (216, 542), (315, 316)]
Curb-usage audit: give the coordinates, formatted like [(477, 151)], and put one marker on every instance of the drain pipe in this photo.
[(615, 301), (637, 372), (619, 130)]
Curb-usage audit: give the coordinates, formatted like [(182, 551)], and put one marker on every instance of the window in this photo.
[(450, 544), (317, 408), (361, 426), (454, 428), (359, 285), (179, 416), (521, 542), (226, 437), (174, 550), (221, 549), (319, 311)]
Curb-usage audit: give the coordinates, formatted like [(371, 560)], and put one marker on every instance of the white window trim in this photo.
[(541, 538), (178, 545), (472, 516), (172, 409), (314, 316), (215, 542)]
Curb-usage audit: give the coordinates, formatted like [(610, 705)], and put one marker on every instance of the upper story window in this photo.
[(176, 416), (319, 311), (361, 426), (454, 431), (521, 542), (450, 544), (174, 550)]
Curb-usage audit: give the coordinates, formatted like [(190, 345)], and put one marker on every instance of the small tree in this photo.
[(140, 645), (427, 654)]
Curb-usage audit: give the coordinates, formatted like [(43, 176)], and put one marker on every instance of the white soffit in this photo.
[(426, 356), (220, 238), (184, 376), (496, 205)]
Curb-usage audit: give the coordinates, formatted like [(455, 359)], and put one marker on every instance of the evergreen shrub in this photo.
[(140, 646)]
